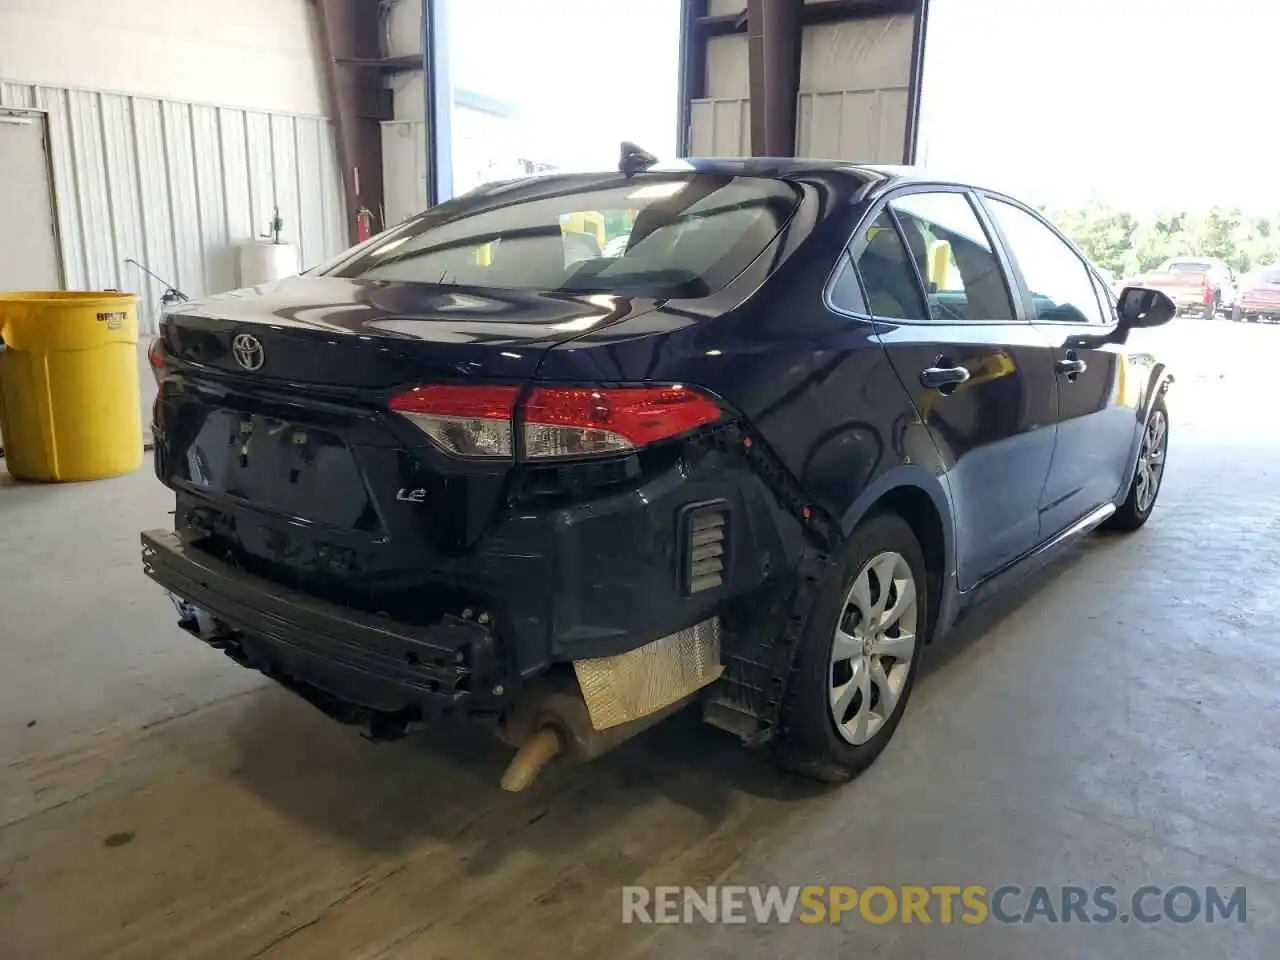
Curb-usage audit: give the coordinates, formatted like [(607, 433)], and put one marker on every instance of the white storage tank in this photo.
[(262, 261)]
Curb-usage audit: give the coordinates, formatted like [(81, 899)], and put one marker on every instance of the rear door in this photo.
[(1095, 428), (981, 378)]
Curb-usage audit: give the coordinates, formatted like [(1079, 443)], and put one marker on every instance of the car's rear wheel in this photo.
[(1147, 478), (857, 661)]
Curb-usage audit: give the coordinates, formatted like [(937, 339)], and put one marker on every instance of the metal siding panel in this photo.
[(177, 187), (21, 95), (235, 178), (126, 209), (70, 233), (893, 125), (206, 146), (702, 121), (859, 126), (262, 201), (731, 128), (84, 115), (183, 198), (153, 190), (404, 169), (336, 236), (284, 177), (311, 193), (728, 74)]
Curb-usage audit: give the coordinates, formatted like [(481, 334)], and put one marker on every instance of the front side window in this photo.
[(652, 235), (1061, 286), (963, 279)]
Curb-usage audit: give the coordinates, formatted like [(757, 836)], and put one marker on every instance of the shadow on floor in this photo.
[(442, 785)]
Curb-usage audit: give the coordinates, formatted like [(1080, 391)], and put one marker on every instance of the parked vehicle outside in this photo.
[(1196, 284), (1259, 298), (759, 460)]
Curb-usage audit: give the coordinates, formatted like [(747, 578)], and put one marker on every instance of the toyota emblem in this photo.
[(247, 349)]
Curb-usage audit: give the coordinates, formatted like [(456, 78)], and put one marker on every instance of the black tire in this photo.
[(1130, 516), (807, 741)]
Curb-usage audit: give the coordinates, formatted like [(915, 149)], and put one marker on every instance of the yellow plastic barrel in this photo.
[(69, 393)]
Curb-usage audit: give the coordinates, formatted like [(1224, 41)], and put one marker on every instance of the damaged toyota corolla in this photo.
[(752, 458)]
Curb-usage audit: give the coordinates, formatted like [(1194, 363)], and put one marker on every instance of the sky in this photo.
[(1148, 104)]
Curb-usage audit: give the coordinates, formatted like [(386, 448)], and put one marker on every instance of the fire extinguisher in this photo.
[(364, 224)]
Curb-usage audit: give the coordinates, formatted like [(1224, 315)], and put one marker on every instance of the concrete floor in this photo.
[(1117, 722)]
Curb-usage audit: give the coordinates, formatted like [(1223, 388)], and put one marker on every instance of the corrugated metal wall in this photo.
[(853, 98), (178, 185)]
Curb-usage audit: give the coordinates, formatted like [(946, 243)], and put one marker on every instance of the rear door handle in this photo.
[(1071, 367), (936, 378)]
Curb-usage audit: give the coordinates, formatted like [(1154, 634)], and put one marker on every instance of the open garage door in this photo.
[(857, 86)]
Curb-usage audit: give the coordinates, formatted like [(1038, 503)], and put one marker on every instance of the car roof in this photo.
[(782, 167)]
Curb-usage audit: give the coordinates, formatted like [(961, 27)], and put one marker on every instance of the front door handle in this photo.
[(941, 378), (1071, 367)]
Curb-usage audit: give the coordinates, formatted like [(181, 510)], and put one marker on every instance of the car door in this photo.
[(1095, 421), (979, 375)]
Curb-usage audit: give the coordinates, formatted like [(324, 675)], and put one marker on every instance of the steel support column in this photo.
[(349, 34), (438, 103), (693, 67), (773, 50)]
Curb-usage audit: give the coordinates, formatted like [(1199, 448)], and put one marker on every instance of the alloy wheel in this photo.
[(874, 647), (1151, 460)]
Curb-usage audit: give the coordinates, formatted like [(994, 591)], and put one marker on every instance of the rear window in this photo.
[(659, 235), (1265, 275), (1189, 268)]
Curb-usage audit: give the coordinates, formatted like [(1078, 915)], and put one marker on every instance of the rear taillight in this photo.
[(576, 422), (556, 421), (156, 358), (464, 421)]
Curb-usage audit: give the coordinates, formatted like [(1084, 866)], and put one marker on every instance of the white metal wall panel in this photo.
[(308, 143), (284, 177), (720, 128), (233, 144), (404, 175), (177, 186), (854, 80), (125, 187), (852, 105)]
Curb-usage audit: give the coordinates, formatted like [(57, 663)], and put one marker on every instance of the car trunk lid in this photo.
[(337, 333), (287, 441)]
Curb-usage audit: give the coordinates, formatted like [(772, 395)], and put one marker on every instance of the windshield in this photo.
[(664, 235)]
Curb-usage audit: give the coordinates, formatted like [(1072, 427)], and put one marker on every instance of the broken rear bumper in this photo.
[(355, 666)]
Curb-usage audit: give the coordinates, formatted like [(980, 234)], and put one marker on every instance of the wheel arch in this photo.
[(920, 498)]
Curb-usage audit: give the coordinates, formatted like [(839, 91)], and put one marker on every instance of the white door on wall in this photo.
[(28, 241)]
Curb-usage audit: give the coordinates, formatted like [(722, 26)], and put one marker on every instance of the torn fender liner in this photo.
[(634, 684)]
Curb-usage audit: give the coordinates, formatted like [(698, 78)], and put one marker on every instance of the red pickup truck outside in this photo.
[(1259, 298), (1197, 284)]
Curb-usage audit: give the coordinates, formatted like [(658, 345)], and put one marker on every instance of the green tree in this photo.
[(1102, 232)]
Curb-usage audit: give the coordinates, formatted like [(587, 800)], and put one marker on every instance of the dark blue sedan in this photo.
[(572, 452)]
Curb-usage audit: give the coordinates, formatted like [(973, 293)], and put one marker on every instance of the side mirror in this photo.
[(1140, 307)]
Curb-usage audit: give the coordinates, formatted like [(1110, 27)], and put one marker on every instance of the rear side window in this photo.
[(962, 276), (659, 235), (893, 289)]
